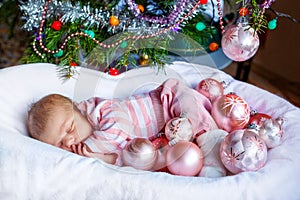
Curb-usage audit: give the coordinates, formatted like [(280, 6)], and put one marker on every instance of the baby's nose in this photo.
[(69, 140)]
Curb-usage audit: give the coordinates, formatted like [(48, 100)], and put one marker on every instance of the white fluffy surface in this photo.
[(30, 169)]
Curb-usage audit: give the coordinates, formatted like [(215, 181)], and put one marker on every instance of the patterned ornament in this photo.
[(230, 112), (210, 88), (56, 25), (240, 42), (271, 132), (139, 153), (185, 159), (114, 21), (243, 150), (114, 71), (178, 129)]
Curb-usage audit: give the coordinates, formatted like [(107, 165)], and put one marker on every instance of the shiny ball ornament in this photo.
[(213, 46), (272, 24), (184, 159), (230, 112), (56, 25), (243, 11), (240, 42), (200, 26), (114, 21), (114, 71), (210, 88), (256, 120), (178, 129), (144, 60), (271, 132), (139, 153), (141, 8), (243, 150), (203, 2)]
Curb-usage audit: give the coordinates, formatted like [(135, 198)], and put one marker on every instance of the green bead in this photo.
[(58, 54), (272, 24), (200, 26), (123, 45)]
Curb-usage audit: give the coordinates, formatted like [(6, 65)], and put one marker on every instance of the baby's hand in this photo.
[(83, 150)]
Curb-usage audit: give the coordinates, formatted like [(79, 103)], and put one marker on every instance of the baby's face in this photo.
[(66, 128)]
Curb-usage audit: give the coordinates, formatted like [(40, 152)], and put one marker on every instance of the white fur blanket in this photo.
[(30, 169)]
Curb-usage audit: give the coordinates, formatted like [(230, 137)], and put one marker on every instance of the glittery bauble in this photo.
[(240, 43), (243, 150), (230, 112), (185, 159), (140, 154), (271, 131), (177, 129), (210, 88)]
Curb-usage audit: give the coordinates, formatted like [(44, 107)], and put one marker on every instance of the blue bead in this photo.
[(200, 26), (272, 24)]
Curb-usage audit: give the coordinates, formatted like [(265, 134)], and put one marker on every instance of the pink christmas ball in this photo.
[(210, 88), (239, 43), (185, 159), (243, 150), (230, 112), (140, 153)]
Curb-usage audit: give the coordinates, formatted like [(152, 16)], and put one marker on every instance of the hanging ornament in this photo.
[(200, 26), (139, 153), (56, 25), (230, 112), (240, 42), (58, 54), (213, 46), (272, 24), (243, 11), (203, 2), (90, 33), (243, 150), (73, 64), (185, 159), (114, 71), (210, 88), (141, 8), (114, 21), (144, 60)]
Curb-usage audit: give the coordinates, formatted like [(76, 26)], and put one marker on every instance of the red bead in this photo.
[(56, 25), (243, 11), (114, 71)]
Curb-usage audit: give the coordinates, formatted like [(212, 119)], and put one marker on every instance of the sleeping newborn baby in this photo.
[(101, 128)]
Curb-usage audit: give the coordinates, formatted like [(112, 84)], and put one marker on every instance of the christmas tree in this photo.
[(112, 35)]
